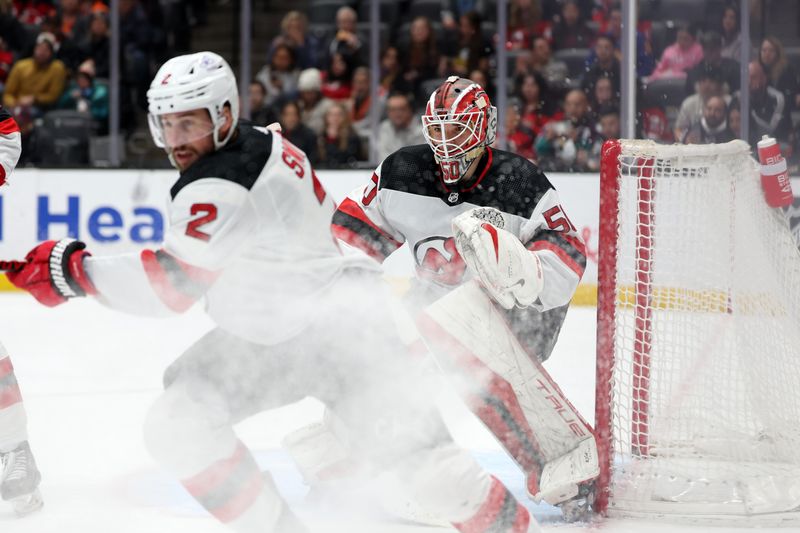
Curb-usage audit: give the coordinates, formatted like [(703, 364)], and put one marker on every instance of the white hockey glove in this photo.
[(511, 274)]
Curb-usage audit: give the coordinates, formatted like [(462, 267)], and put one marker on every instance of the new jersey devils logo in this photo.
[(438, 260)]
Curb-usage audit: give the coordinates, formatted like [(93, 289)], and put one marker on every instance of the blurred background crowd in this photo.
[(310, 72)]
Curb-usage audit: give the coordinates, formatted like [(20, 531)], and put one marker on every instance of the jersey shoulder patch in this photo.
[(241, 161)]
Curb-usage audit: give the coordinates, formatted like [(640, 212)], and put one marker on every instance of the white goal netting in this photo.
[(704, 364)]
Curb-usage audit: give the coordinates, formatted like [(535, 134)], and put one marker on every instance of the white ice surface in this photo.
[(88, 376)]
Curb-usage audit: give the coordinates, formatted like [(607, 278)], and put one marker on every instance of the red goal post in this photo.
[(697, 409)]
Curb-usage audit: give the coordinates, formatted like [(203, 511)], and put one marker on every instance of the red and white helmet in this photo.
[(458, 124), (194, 81)]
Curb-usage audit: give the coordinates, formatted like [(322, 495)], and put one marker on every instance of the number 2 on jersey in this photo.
[(209, 212)]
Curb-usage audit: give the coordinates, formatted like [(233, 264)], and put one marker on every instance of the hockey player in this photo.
[(468, 211), (250, 231), (19, 477)]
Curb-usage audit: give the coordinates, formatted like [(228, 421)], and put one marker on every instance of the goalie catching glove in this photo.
[(54, 272), (510, 274)]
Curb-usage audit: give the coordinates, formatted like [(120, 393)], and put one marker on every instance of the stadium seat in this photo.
[(714, 10), (688, 10), (63, 138), (403, 35), (511, 60), (363, 32), (389, 11), (425, 8), (322, 30), (100, 151), (314, 3), (662, 34), (648, 9), (426, 88), (324, 11), (781, 20), (575, 58), (490, 11), (793, 55)]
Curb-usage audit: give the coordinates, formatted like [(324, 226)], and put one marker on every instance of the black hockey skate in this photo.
[(19, 483), (579, 508)]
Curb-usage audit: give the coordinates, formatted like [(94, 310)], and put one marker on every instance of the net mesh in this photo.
[(706, 379)]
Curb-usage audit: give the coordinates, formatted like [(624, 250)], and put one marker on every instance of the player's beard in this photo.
[(184, 156)]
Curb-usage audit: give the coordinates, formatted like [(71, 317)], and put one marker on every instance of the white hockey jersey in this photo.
[(13, 419), (407, 202), (10, 144), (249, 229)]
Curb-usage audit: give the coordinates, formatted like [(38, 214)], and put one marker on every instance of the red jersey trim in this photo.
[(348, 206), (354, 239), (560, 253), (8, 126), (160, 280), (576, 243)]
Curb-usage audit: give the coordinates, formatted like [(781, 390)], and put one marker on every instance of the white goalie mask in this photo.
[(194, 81), (458, 124)]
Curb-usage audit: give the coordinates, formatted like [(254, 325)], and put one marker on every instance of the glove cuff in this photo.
[(66, 269)]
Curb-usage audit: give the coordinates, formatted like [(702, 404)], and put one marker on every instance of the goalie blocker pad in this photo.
[(511, 392)]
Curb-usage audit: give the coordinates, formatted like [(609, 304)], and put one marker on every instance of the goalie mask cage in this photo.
[(698, 344)]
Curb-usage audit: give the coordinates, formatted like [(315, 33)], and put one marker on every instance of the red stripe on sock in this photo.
[(486, 516), (492, 419), (9, 396), (212, 476), (502, 389), (5, 367), (242, 501), (523, 520)]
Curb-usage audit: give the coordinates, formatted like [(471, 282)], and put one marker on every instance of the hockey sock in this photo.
[(499, 513)]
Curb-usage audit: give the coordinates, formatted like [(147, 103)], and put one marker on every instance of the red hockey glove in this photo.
[(54, 272)]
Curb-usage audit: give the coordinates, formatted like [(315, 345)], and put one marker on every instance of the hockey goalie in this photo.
[(497, 261)]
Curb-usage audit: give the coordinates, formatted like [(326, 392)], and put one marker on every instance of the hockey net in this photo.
[(698, 364)]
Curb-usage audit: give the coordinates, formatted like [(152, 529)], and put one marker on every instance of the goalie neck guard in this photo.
[(458, 124)]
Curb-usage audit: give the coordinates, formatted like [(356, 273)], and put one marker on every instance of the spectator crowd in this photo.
[(563, 87), (55, 64)]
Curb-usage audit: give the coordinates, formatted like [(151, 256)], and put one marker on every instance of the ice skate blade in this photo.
[(28, 503)]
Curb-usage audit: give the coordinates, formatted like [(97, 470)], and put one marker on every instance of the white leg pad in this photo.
[(466, 320)]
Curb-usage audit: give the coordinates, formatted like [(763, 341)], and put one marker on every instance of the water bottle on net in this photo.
[(774, 174)]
